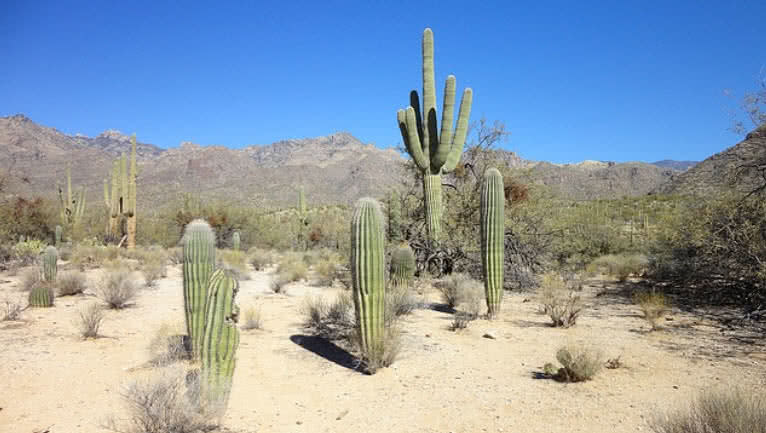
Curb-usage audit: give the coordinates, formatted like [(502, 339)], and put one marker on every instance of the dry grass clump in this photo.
[(578, 364), (291, 268), (117, 288), (561, 303), (252, 318), (260, 258), (29, 278), (620, 266), (457, 289), (326, 269), (235, 262), (168, 344), (469, 308), (154, 265), (384, 354), (89, 320), (165, 402), (71, 283), (92, 256), (718, 411), (11, 311), (400, 301), (654, 306)]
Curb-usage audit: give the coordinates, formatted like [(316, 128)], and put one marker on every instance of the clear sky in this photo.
[(620, 81)]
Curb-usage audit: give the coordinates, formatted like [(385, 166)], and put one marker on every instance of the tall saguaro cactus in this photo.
[(112, 201), (72, 205), (220, 339), (368, 274), (121, 202), (130, 210), (198, 265), (434, 152), (492, 238)]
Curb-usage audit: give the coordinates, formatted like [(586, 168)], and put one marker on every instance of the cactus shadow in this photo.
[(327, 350)]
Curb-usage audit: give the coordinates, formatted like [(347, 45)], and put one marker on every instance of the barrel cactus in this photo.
[(198, 265), (434, 152), (368, 276), (50, 264), (402, 266), (41, 295), (492, 238), (221, 338), (235, 241)]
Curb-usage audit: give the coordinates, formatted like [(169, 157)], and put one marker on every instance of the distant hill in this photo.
[(717, 173), (675, 165)]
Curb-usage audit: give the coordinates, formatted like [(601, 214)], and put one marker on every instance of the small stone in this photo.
[(491, 335)]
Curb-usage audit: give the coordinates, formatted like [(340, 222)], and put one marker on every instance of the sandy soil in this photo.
[(443, 381)]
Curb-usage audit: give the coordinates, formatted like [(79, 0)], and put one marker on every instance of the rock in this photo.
[(492, 335)]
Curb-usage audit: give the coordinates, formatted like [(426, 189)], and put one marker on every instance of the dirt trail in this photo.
[(443, 381)]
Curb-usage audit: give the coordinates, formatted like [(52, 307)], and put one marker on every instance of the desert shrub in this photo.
[(457, 288), (117, 288), (27, 252), (717, 411), (176, 255), (334, 320), (578, 364), (559, 302), (289, 270), (400, 301), (89, 320), (620, 266), (71, 283), (29, 278), (654, 306), (11, 311), (235, 262), (91, 256), (326, 270), (469, 308), (165, 402), (260, 258), (168, 344), (252, 318), (65, 252), (386, 352)]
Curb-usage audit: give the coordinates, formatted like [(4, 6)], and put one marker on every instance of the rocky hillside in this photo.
[(722, 171)]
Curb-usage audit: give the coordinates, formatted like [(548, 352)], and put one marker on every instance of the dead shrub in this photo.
[(12, 311), (457, 288), (578, 364), (400, 301), (71, 283), (717, 411), (117, 288), (654, 306), (168, 344), (89, 320), (252, 318), (559, 302), (260, 258)]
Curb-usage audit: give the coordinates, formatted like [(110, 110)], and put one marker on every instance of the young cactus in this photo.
[(235, 241), (50, 264), (368, 275), (402, 266), (59, 232), (434, 152), (41, 295), (198, 265), (220, 341), (492, 238)]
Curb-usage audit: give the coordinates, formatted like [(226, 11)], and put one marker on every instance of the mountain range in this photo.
[(337, 168)]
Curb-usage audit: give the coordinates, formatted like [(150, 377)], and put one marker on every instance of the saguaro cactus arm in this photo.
[(221, 338)]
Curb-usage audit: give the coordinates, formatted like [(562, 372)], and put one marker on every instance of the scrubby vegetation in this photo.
[(578, 364), (734, 410), (559, 300), (89, 320), (117, 288)]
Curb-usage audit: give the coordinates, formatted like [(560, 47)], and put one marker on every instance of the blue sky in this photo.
[(571, 80)]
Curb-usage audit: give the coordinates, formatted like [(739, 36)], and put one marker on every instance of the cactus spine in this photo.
[(492, 238), (368, 274), (220, 340), (402, 266), (434, 152), (235, 241), (59, 232), (50, 259), (198, 265)]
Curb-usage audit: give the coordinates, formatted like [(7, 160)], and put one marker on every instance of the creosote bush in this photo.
[(260, 258), (559, 302), (71, 283), (578, 364), (717, 411), (89, 320), (654, 307), (117, 288)]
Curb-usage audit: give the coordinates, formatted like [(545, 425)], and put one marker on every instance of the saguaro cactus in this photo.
[(130, 210), (492, 238), (432, 151), (402, 266), (112, 201), (198, 265), (368, 275), (72, 205), (122, 199), (50, 264), (221, 338), (235, 241), (394, 208), (59, 232)]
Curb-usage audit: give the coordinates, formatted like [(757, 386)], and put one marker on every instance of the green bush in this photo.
[(28, 251), (578, 364)]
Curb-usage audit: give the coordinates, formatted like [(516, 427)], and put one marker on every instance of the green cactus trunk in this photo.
[(41, 295), (235, 241), (50, 264), (198, 265), (402, 266), (220, 340), (492, 238), (368, 274), (433, 151), (59, 232)]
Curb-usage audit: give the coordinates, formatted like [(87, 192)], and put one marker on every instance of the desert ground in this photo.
[(53, 381)]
